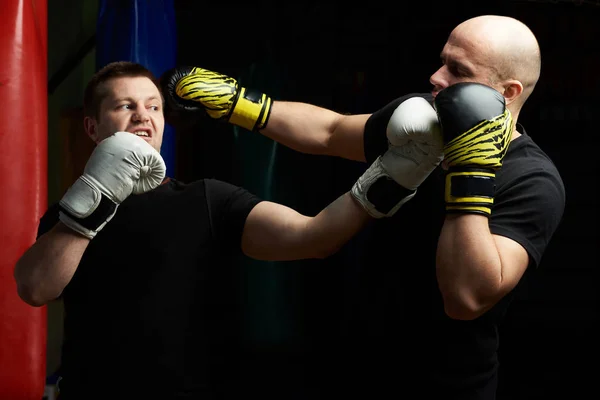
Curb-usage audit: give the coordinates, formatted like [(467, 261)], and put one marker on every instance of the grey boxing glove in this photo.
[(120, 165), (415, 149)]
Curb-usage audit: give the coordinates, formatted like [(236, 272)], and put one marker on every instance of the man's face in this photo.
[(463, 60), (132, 104)]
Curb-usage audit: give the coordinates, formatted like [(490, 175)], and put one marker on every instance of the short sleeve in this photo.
[(228, 207), (530, 210)]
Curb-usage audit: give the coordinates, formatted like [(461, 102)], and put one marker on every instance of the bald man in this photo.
[(443, 280)]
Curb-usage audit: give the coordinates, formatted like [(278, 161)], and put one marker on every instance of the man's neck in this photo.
[(515, 133)]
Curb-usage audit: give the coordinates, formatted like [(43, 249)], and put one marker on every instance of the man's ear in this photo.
[(91, 128), (512, 90)]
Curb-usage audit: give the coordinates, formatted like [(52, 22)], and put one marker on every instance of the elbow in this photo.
[(461, 311), (464, 306), (468, 300), (31, 296), (25, 289)]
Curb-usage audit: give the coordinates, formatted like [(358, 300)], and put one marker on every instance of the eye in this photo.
[(154, 108), (124, 106), (456, 72)]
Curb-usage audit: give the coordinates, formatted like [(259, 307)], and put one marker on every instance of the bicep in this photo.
[(514, 261), (272, 232), (524, 218)]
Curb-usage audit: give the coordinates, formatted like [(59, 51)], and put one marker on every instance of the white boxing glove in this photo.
[(120, 165), (415, 149)]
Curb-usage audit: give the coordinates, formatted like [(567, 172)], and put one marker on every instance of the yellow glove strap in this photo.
[(251, 110), (470, 192)]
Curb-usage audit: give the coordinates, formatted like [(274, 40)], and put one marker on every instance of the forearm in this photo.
[(300, 126), (273, 232), (314, 130), (47, 267), (335, 225), (469, 268)]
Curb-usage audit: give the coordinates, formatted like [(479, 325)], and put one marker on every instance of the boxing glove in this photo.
[(477, 129), (192, 89), (415, 149), (120, 165)]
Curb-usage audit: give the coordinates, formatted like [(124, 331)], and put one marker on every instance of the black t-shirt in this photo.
[(402, 337), (152, 307)]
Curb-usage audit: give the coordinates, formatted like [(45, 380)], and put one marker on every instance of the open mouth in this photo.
[(142, 132)]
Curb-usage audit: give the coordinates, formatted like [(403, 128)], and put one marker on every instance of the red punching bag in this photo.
[(23, 189)]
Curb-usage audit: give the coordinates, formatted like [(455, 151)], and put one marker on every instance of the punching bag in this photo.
[(144, 32), (23, 185)]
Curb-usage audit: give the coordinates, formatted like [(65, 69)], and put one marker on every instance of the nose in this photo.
[(141, 115), (438, 79)]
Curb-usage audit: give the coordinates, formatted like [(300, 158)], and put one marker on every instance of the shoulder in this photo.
[(525, 162), (530, 197), (216, 187), (231, 195), (216, 192)]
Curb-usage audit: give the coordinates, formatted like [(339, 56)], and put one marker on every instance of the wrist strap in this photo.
[(105, 210), (251, 110), (470, 190), (385, 195), (378, 193)]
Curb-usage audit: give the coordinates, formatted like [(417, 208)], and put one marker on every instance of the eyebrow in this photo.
[(456, 64), (119, 99)]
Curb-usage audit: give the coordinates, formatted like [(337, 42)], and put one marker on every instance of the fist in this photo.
[(416, 145), (192, 89), (120, 165), (476, 124)]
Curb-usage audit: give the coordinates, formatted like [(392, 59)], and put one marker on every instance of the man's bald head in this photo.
[(507, 45)]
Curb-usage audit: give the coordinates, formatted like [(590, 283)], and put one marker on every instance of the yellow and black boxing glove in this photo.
[(477, 129), (193, 89)]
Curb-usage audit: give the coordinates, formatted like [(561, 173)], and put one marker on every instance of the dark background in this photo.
[(355, 59)]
